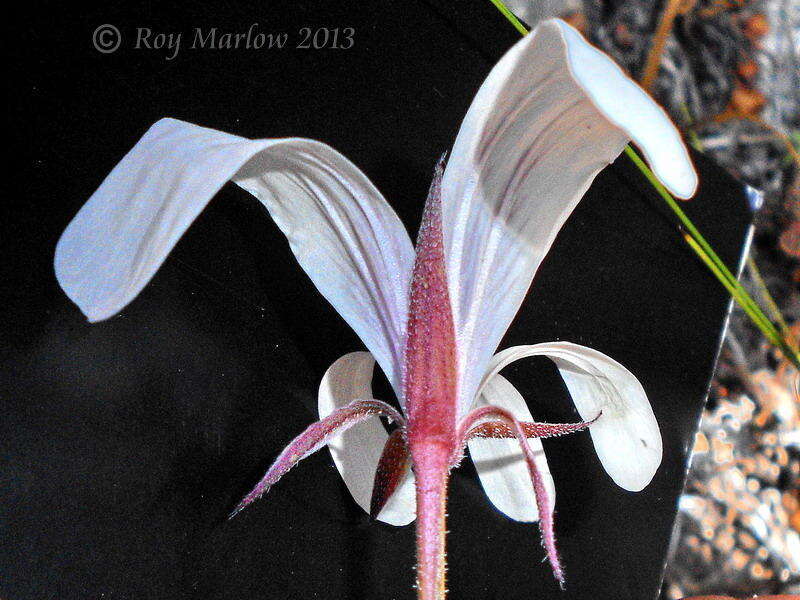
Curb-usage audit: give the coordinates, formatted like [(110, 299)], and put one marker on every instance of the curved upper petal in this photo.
[(500, 463), (357, 451), (551, 114), (343, 233), (626, 436)]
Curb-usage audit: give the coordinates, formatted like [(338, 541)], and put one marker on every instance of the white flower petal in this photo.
[(500, 463), (629, 107), (342, 231), (626, 437), (356, 452), (552, 113)]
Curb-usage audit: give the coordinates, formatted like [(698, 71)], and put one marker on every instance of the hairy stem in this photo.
[(431, 514)]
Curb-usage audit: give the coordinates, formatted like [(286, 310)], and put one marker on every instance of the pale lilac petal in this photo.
[(315, 437), (623, 103), (357, 451), (626, 436), (551, 114), (342, 231), (500, 463)]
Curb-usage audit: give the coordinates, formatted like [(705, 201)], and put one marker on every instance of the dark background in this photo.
[(125, 444)]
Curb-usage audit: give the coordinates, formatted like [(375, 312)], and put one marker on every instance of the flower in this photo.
[(550, 115)]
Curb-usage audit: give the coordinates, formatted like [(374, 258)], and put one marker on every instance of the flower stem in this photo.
[(715, 264), (684, 219), (763, 325), (510, 16), (431, 516), (767, 299), (696, 240)]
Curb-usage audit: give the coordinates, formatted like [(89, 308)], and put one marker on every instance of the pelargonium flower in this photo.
[(551, 114)]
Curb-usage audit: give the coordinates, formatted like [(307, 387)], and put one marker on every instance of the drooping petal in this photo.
[(626, 436), (544, 497), (551, 114), (357, 451), (342, 231), (315, 437), (500, 463)]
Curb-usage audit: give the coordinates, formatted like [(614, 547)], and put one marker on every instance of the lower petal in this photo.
[(357, 451), (626, 437), (544, 499), (500, 463)]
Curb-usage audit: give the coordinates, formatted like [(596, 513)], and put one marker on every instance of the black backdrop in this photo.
[(125, 444)]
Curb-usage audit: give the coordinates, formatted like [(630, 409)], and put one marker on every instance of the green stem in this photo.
[(765, 326), (694, 139), (758, 317), (682, 217), (768, 300), (704, 250), (510, 16)]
